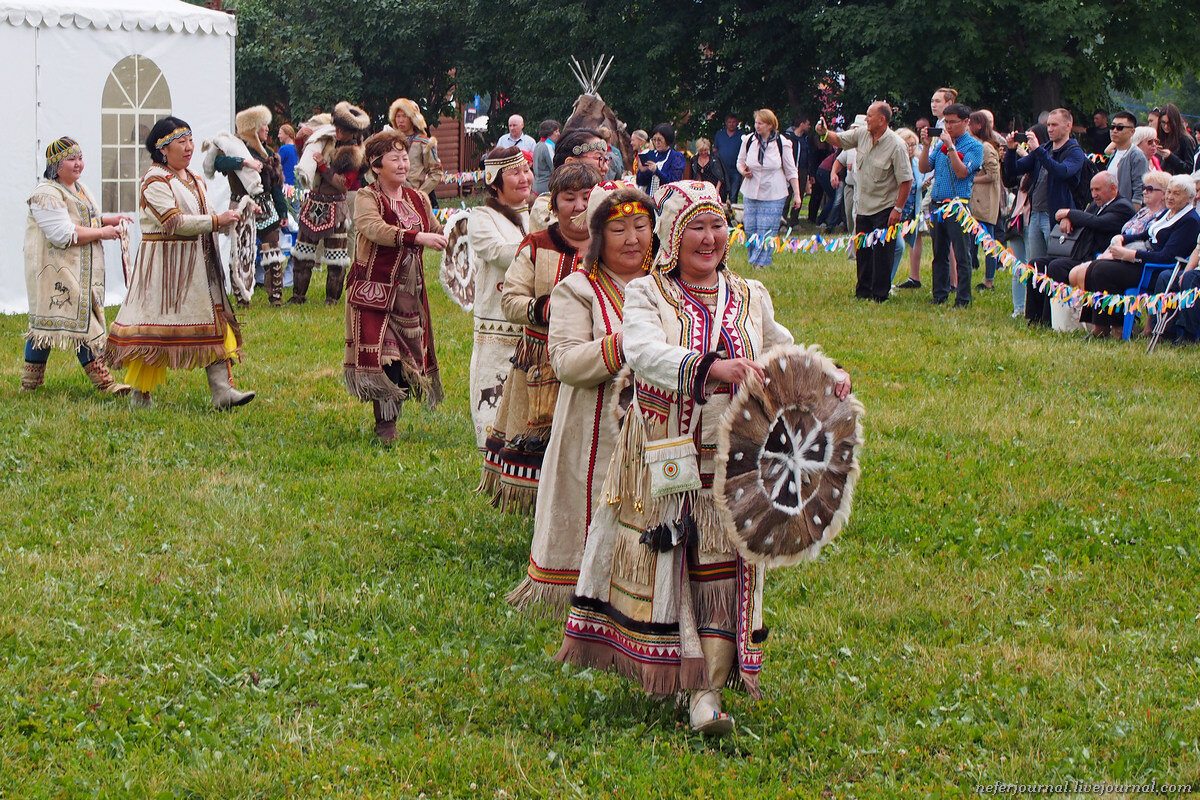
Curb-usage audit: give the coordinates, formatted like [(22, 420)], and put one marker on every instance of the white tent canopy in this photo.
[(101, 72)]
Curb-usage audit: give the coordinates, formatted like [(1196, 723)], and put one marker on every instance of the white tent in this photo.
[(102, 72)]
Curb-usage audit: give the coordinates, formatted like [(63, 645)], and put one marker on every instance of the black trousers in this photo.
[(1113, 277), (815, 201), (874, 263), (947, 233), (1037, 305)]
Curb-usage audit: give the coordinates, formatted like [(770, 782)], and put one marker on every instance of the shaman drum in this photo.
[(787, 459)]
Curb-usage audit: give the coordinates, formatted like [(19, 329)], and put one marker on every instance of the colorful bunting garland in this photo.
[(1064, 293), (296, 196)]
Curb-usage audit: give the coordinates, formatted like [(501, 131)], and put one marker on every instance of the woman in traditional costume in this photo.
[(494, 232), (585, 352), (425, 170), (64, 270), (252, 168), (513, 456), (176, 314), (663, 597), (389, 333)]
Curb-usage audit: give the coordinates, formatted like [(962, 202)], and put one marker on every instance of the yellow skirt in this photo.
[(147, 377)]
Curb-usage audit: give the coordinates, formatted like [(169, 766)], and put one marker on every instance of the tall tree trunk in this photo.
[(1047, 91)]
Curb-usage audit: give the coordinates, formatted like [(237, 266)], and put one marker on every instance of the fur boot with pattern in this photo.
[(103, 380), (32, 376)]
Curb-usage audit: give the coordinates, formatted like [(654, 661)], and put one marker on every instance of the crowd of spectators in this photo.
[(1072, 200)]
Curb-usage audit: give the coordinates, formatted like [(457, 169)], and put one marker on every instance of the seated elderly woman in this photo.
[(1119, 268), (1154, 195), (1183, 326)]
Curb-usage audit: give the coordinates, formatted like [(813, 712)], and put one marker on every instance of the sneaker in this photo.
[(1018, 314), (984, 287), (910, 284)]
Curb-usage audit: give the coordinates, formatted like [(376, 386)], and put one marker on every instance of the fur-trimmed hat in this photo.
[(317, 120), (350, 117), (605, 197), (402, 105), (249, 120), (678, 204)]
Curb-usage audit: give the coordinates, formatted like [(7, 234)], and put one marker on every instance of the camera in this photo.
[(1021, 137)]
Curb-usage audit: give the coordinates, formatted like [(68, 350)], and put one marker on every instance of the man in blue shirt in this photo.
[(954, 157), (728, 142)]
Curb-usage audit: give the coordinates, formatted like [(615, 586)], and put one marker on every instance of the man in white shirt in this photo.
[(516, 136)]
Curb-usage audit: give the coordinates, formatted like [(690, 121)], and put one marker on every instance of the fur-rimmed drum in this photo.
[(787, 459), (457, 273)]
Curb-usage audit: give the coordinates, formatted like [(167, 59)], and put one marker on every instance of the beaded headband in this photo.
[(492, 169), (630, 209), (580, 149), (178, 133), (62, 149)]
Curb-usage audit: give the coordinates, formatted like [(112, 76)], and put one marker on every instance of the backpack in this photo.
[(1082, 193)]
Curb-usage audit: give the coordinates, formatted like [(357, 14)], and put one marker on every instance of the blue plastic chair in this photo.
[(1145, 286)]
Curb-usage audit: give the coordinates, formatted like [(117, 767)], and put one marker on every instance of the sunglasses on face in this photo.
[(1121, 127)]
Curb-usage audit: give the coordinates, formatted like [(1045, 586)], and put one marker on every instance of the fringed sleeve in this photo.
[(159, 200)]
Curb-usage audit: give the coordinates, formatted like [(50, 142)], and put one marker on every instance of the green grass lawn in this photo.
[(266, 603)]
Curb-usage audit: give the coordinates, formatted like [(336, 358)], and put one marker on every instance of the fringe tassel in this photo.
[(746, 682), (628, 480), (633, 561), (658, 680), (541, 600), (489, 483), (529, 353), (515, 499), (174, 356), (422, 385), (713, 538), (72, 343), (368, 386), (716, 604), (665, 509)]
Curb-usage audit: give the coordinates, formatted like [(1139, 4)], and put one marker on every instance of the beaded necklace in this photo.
[(699, 289)]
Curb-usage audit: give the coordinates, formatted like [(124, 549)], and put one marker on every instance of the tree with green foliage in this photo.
[(690, 61), (1017, 58)]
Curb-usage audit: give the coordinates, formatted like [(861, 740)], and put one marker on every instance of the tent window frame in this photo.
[(136, 95)]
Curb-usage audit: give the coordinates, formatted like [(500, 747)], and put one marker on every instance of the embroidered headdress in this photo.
[(62, 149), (612, 200), (678, 204), (492, 167)]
